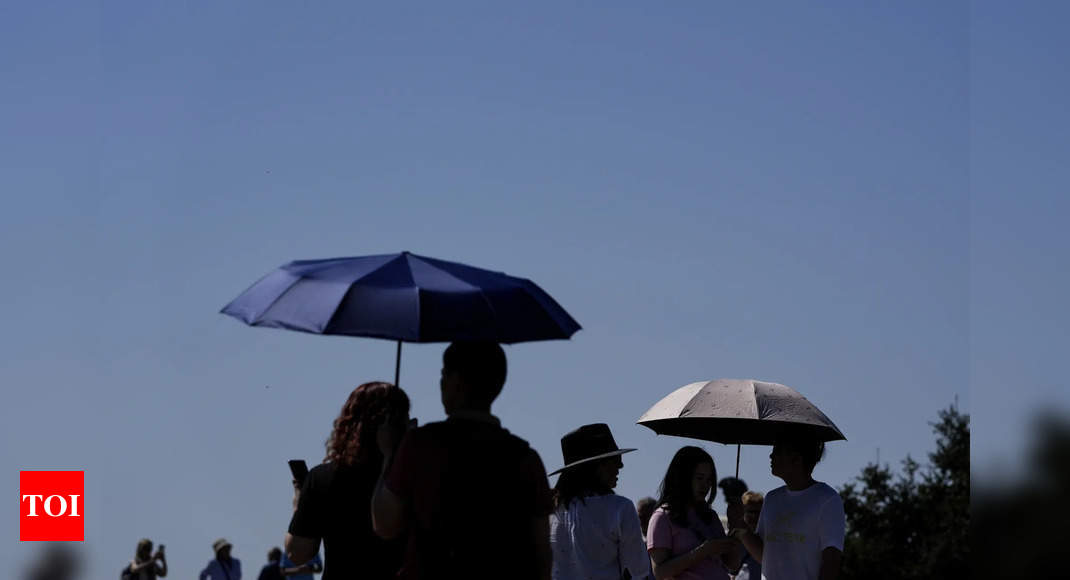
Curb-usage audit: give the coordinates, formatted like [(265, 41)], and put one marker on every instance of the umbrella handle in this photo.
[(737, 459), (397, 366)]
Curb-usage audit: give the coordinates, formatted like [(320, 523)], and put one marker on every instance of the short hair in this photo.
[(811, 450), (481, 366), (732, 486), (646, 503), (276, 552), (753, 497)]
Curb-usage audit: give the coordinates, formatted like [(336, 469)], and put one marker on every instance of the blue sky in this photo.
[(860, 201)]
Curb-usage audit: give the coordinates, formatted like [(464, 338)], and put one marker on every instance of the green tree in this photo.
[(914, 524)]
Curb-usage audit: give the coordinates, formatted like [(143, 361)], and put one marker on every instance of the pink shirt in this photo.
[(663, 533)]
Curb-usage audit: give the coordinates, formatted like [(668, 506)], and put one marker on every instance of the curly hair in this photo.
[(676, 494), (352, 441)]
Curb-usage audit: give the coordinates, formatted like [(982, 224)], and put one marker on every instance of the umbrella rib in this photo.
[(298, 280), (244, 292), (342, 301), (260, 317), (493, 312), (453, 275), (419, 319)]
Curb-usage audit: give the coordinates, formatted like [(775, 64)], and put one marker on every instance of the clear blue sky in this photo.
[(861, 201)]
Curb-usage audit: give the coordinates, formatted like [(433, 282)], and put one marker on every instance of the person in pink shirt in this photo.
[(685, 539)]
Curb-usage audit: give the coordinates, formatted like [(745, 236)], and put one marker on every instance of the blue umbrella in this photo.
[(402, 297)]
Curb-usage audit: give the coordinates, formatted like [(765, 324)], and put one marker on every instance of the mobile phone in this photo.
[(299, 469)]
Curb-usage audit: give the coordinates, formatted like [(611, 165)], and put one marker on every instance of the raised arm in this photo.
[(388, 509), (751, 541)]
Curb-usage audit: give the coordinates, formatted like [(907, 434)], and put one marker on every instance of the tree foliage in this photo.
[(914, 524)]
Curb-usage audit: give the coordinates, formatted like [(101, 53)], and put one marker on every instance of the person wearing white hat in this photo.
[(223, 567), (595, 534)]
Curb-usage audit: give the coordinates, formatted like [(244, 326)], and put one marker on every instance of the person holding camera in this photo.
[(332, 504), (146, 565)]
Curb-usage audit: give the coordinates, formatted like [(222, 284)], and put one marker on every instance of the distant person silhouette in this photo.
[(473, 498), (750, 569), (223, 566), (645, 508), (273, 569), (333, 505), (57, 561), (800, 532), (686, 540), (733, 489), (594, 533), (305, 571), (146, 565)]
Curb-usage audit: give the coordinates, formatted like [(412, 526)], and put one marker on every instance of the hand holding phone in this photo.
[(299, 470)]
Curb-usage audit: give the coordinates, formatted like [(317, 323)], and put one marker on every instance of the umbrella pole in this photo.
[(397, 366), (737, 461)]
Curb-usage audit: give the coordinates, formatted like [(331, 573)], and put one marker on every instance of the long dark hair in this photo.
[(676, 495), (144, 550), (352, 442), (579, 482)]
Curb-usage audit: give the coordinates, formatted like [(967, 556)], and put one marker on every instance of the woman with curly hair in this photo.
[(332, 504), (686, 539)]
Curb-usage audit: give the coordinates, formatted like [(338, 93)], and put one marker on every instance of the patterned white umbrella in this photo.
[(739, 411)]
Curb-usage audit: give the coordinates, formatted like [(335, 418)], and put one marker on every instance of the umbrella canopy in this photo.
[(402, 297), (738, 411)]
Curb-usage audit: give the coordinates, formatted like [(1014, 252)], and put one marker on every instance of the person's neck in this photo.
[(473, 413), (798, 482)]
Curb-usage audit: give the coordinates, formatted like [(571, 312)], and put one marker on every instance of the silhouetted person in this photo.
[(305, 571), (273, 569), (751, 569), (594, 533), (57, 562), (686, 539), (223, 566), (146, 565), (733, 488), (333, 504), (473, 497), (801, 528), (645, 508)]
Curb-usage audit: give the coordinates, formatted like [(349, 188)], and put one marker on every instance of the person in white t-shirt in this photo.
[(800, 530)]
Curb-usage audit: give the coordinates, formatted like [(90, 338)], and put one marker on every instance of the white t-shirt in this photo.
[(598, 538), (795, 527)]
